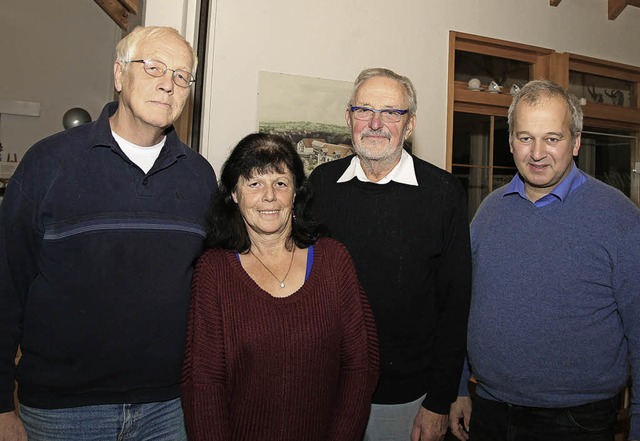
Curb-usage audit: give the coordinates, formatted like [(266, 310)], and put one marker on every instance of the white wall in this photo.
[(59, 54), (335, 39), (180, 14)]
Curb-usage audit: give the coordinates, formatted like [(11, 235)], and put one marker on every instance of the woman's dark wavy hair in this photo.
[(259, 153)]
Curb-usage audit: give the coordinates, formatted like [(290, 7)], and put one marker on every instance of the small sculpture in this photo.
[(617, 97), (474, 84), (595, 96), (493, 87)]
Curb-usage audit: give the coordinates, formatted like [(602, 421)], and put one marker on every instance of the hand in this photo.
[(429, 426), (460, 410), (11, 428)]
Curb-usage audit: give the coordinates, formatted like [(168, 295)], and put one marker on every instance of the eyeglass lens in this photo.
[(366, 114), (157, 68)]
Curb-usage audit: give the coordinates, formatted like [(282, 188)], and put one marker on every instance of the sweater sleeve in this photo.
[(19, 244), (454, 295), (626, 282), (203, 388), (358, 355)]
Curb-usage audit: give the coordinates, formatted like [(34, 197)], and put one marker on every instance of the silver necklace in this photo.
[(271, 272)]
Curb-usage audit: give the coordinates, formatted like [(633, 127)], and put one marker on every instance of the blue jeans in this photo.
[(494, 421), (161, 421), (391, 422)]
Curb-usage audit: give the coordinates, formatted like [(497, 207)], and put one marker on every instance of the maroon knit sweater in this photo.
[(257, 367)]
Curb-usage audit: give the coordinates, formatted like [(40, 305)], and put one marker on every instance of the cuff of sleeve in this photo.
[(433, 404), (6, 403)]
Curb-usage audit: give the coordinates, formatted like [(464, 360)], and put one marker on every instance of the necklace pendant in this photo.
[(281, 284)]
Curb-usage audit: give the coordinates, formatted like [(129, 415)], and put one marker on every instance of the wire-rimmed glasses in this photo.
[(157, 68)]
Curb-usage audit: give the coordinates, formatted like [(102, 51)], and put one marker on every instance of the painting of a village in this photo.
[(309, 111)]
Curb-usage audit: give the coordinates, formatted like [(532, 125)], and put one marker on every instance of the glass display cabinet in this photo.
[(477, 133)]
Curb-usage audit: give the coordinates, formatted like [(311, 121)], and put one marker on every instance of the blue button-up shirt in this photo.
[(574, 179)]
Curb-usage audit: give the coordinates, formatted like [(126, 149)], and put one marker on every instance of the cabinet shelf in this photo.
[(500, 101), (477, 130), (609, 115)]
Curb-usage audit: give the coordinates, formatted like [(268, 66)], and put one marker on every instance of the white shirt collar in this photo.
[(403, 173)]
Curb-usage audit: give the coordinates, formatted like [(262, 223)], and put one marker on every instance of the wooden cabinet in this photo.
[(610, 90), (477, 133)]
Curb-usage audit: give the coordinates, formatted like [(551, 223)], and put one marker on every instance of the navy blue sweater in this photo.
[(96, 259), (555, 311), (410, 246)]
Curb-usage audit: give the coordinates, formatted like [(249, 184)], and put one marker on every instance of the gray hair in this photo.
[(127, 47), (535, 91), (410, 91)]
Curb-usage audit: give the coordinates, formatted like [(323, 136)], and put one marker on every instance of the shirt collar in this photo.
[(403, 173), (574, 179)]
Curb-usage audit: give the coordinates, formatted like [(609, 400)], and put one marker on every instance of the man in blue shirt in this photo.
[(554, 319)]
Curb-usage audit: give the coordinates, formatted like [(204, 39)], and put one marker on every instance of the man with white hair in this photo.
[(99, 231), (404, 221)]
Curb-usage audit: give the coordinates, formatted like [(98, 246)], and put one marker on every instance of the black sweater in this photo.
[(410, 246)]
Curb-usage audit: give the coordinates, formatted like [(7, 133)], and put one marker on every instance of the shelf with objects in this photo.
[(484, 73), (609, 92)]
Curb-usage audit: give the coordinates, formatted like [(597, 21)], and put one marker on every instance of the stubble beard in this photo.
[(376, 153)]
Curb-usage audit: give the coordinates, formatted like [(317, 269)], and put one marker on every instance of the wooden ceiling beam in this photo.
[(130, 5), (616, 7), (116, 11)]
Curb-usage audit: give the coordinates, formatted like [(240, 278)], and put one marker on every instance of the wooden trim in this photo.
[(450, 99), (130, 5), (479, 110), (609, 69), (559, 72), (542, 66), (197, 110), (615, 7), (613, 113), (184, 121), (116, 11), (464, 95), (492, 139), (498, 48), (608, 124), (119, 10)]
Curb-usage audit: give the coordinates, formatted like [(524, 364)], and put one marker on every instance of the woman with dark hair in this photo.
[(281, 341)]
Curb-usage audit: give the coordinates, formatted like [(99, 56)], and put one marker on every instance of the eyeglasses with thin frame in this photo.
[(157, 68), (363, 113)]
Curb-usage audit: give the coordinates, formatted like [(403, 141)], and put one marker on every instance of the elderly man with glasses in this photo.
[(404, 221), (99, 230)]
